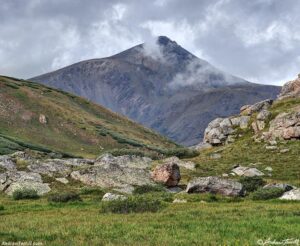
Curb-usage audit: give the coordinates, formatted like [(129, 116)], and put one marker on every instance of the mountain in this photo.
[(162, 86), (38, 117)]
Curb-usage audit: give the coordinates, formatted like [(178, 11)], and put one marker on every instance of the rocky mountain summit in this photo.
[(162, 86)]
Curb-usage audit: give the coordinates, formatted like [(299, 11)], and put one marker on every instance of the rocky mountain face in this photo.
[(162, 86)]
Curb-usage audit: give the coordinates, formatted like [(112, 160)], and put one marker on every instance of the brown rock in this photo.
[(168, 174)]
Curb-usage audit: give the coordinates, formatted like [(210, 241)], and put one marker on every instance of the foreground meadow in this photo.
[(195, 223)]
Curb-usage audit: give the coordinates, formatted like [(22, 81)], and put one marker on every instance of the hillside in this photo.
[(162, 86), (268, 142), (39, 117)]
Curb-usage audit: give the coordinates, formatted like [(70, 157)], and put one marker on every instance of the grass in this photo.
[(75, 125), (214, 223)]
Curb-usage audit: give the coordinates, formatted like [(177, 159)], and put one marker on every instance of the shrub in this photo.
[(265, 194), (1, 207), (181, 152), (252, 183), (92, 191), (25, 194), (137, 204), (64, 197), (148, 188)]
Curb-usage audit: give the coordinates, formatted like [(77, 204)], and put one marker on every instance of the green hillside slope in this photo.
[(73, 125)]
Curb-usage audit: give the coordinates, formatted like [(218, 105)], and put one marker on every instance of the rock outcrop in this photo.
[(222, 130), (167, 174), (257, 107), (291, 89), (285, 126), (215, 185)]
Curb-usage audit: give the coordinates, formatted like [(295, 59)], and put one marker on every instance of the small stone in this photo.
[(180, 201), (284, 151), (273, 142), (62, 180), (112, 197), (269, 169), (271, 147), (225, 175), (42, 119)]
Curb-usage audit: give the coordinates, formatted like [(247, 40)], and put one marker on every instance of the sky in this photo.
[(258, 40)]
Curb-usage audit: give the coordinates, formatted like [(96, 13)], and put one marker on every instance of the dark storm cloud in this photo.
[(257, 40)]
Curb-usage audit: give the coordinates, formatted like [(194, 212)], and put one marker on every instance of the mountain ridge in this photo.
[(154, 83)]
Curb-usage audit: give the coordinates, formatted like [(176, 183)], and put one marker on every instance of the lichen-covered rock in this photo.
[(167, 174), (130, 161), (247, 171), (111, 175), (215, 185), (7, 163), (290, 89)]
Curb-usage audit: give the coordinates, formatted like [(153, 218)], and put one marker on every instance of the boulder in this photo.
[(112, 197), (263, 115), (167, 174), (247, 171), (11, 181), (291, 195), (291, 89), (111, 175), (62, 180), (215, 185), (130, 161), (285, 187), (126, 189)]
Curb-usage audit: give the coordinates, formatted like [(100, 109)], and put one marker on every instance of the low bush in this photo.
[(92, 191), (64, 197), (251, 184), (265, 194), (148, 188), (25, 194), (135, 204), (1, 207), (181, 152)]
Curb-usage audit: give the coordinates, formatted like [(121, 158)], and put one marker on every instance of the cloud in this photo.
[(257, 40)]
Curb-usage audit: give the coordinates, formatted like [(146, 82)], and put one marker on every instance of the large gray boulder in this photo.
[(111, 175), (215, 185), (285, 187)]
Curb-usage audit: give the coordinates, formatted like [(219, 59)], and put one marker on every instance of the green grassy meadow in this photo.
[(195, 223)]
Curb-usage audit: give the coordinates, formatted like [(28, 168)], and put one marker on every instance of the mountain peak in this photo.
[(164, 40)]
